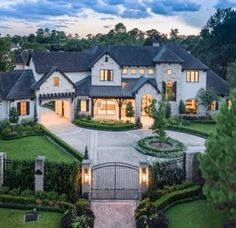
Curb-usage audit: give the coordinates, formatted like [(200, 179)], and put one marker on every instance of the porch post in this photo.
[(92, 106), (119, 104), (86, 179)]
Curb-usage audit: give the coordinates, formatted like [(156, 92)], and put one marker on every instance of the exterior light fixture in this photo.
[(144, 175), (86, 175)]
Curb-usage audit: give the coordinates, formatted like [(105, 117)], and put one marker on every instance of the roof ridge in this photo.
[(15, 85)]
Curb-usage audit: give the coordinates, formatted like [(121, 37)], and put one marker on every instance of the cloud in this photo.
[(107, 18), (225, 4), (5, 27), (43, 9)]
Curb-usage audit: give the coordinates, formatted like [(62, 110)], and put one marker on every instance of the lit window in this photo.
[(150, 71), (125, 70), (192, 76), (106, 75), (106, 107), (142, 71), (23, 108), (56, 81), (169, 89), (133, 71), (169, 72), (145, 104), (213, 106), (191, 106), (83, 105)]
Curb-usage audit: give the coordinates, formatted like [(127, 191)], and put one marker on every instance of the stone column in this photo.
[(143, 177), (189, 165), (86, 179), (39, 173), (2, 161)]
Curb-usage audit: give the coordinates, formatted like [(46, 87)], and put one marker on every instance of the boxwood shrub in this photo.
[(177, 148)]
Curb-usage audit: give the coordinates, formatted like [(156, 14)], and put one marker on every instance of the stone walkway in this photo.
[(114, 214)]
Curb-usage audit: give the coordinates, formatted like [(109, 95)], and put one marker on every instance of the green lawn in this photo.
[(196, 214), (15, 218), (28, 148), (207, 128)]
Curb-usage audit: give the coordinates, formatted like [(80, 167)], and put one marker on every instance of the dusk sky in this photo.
[(99, 16)]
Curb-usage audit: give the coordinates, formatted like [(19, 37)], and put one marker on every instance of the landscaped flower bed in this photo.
[(170, 149), (108, 125)]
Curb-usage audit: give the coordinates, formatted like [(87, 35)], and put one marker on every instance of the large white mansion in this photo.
[(101, 81)]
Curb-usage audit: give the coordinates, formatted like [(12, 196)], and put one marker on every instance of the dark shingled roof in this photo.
[(17, 84), (190, 62), (165, 55), (47, 75), (218, 84), (128, 88), (23, 58), (66, 61)]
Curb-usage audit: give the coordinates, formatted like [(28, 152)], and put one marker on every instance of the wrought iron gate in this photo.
[(115, 180)]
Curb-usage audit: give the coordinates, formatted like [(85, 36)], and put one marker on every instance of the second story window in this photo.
[(106, 75), (169, 89), (142, 71), (192, 76), (150, 71), (56, 81), (125, 70), (133, 71)]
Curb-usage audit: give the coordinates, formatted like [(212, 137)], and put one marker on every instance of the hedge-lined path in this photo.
[(114, 214), (107, 146)]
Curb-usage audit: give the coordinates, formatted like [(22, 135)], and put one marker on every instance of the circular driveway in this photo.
[(104, 146)]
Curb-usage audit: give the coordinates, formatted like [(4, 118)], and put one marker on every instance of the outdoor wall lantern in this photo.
[(144, 176), (86, 175)]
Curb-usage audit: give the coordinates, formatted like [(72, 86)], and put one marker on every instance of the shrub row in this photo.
[(189, 131), (104, 126), (175, 151), (172, 197), (63, 144)]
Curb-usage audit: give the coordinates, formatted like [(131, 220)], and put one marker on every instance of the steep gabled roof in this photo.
[(17, 84), (218, 84), (23, 58), (165, 55), (47, 75), (128, 88), (190, 62)]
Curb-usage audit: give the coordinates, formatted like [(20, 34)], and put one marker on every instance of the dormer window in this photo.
[(150, 71), (125, 70), (106, 59), (56, 81), (142, 71), (133, 71), (192, 76), (169, 72)]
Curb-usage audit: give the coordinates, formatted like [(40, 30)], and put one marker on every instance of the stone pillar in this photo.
[(39, 173), (2, 161), (86, 179), (143, 177), (189, 165)]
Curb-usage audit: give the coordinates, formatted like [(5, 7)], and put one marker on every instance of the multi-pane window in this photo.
[(83, 106), (169, 90), (125, 70), (106, 75), (150, 71), (191, 106), (56, 81), (213, 106), (142, 71), (192, 76), (23, 108), (169, 72), (106, 107), (133, 71)]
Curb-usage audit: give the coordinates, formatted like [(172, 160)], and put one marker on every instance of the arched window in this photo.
[(191, 106), (145, 103)]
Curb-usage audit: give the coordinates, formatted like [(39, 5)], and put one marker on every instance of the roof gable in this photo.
[(48, 74)]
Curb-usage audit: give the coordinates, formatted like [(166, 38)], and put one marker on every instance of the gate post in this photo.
[(143, 177), (39, 173), (86, 179), (189, 166), (2, 161)]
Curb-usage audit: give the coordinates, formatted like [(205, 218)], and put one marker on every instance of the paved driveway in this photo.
[(106, 146)]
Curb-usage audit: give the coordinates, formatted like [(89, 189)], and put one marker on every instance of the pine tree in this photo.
[(168, 110), (218, 164), (129, 110), (13, 116), (181, 107)]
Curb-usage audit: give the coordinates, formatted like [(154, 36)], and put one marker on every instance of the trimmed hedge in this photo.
[(175, 151), (63, 144), (104, 126), (189, 131), (172, 197)]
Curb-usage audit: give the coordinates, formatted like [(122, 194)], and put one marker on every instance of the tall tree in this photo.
[(231, 75), (129, 110), (6, 56), (218, 163)]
